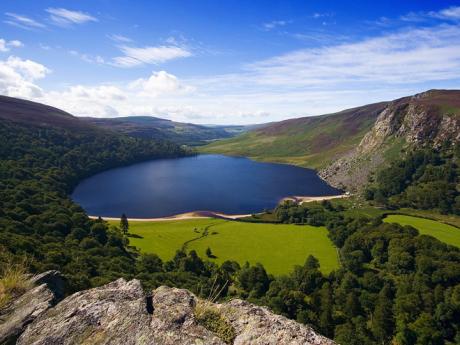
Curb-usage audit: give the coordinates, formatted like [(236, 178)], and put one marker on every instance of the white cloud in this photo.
[(7, 45), (448, 13), (97, 59), (410, 56), (18, 77), (120, 38), (274, 24), (22, 21), (160, 83), (135, 56), (302, 82), (64, 17)]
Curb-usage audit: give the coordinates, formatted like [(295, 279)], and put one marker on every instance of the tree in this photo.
[(382, 321), (326, 321), (124, 225)]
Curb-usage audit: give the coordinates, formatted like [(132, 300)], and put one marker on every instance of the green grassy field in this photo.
[(443, 232), (277, 247)]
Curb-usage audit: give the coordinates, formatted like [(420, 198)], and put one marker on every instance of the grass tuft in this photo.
[(14, 281), (212, 319)]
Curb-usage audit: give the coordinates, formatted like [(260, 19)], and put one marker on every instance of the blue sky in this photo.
[(225, 62)]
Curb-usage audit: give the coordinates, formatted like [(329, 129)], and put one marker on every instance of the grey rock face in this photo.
[(120, 313), (47, 289)]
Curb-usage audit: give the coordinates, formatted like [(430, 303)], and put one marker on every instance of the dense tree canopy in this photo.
[(423, 179)]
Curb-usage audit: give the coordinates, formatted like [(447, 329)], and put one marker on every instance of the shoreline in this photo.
[(212, 214)]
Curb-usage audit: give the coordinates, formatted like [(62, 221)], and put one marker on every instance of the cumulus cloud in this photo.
[(5, 45), (18, 77), (22, 21), (135, 56), (65, 17), (160, 83)]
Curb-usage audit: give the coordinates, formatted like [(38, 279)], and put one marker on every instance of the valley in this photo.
[(304, 260), (186, 172)]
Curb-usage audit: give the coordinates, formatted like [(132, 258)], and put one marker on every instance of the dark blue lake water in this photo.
[(218, 183)]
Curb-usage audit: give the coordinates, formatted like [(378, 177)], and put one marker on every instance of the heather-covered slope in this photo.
[(149, 127), (308, 141)]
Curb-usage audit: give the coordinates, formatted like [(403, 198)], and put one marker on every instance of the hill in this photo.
[(308, 141), (149, 127), (348, 146), (36, 114)]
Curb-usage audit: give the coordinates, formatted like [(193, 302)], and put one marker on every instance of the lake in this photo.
[(165, 187)]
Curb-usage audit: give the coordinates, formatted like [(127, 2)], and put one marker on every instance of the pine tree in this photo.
[(124, 225), (383, 321), (326, 321)]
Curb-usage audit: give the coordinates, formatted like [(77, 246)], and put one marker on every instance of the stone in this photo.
[(47, 289), (120, 313)]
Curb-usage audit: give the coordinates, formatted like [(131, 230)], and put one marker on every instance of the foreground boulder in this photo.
[(120, 313), (46, 290)]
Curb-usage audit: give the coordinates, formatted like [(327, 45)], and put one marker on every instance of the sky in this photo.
[(225, 61)]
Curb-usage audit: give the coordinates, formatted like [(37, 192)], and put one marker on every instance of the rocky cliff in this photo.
[(121, 313), (430, 118)]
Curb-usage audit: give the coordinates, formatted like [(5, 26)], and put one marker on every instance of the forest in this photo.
[(422, 179)]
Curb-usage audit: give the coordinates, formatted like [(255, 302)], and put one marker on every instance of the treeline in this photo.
[(315, 214), (39, 166), (423, 179)]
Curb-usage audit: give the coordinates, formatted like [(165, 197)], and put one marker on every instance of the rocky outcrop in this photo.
[(430, 118), (120, 313), (47, 289)]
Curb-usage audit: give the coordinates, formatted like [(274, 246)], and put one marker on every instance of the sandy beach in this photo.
[(211, 214), (303, 199), (182, 216)]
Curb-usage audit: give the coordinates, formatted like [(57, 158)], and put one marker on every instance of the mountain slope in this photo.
[(348, 146), (428, 119), (37, 114), (149, 127), (308, 141)]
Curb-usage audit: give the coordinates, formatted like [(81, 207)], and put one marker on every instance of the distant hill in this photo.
[(149, 127), (348, 146)]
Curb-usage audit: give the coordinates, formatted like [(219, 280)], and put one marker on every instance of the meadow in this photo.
[(443, 232), (277, 246)]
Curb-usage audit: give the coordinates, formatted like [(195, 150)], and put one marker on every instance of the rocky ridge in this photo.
[(121, 313), (430, 118)]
